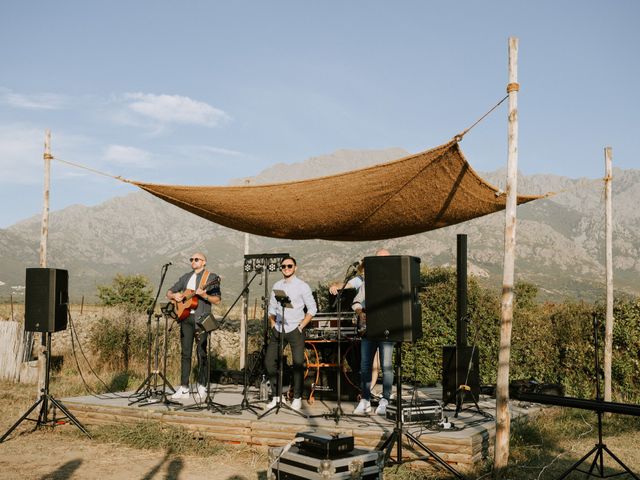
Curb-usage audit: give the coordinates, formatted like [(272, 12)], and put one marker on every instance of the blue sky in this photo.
[(201, 92)]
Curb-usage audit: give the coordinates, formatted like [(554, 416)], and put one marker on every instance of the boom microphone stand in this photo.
[(207, 403), (245, 405), (284, 301), (600, 448), (337, 412)]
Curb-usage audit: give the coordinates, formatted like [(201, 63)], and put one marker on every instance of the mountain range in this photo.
[(560, 239)]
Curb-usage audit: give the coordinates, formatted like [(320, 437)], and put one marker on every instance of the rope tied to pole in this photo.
[(458, 137), (513, 87), (77, 165)]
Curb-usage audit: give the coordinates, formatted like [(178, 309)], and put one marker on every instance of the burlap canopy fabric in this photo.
[(414, 194)]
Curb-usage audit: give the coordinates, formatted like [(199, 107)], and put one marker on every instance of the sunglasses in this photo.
[(288, 265), (196, 260)]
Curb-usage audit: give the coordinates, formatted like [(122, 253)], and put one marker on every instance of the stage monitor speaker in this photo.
[(392, 303), (455, 365), (46, 299)]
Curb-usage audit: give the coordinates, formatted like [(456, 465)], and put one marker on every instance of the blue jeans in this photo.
[(367, 352)]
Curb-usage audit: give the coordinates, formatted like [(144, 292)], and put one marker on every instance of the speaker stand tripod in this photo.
[(464, 388), (399, 431), (600, 448), (45, 400)]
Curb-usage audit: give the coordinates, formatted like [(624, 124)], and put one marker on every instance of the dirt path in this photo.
[(51, 455)]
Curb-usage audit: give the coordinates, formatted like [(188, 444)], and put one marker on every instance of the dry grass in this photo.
[(541, 448)]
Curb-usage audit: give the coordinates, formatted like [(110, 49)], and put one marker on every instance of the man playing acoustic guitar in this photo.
[(193, 294)]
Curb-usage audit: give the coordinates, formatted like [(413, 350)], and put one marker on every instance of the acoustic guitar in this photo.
[(181, 310)]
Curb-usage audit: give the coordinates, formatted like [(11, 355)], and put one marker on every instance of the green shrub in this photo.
[(550, 343), (118, 338)]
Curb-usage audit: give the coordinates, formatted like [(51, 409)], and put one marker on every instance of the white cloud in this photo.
[(219, 151), (124, 155), (21, 149), (34, 101), (168, 109)]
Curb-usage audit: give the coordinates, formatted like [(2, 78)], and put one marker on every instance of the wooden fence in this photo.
[(14, 364)]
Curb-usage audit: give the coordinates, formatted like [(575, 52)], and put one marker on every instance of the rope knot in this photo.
[(513, 87)]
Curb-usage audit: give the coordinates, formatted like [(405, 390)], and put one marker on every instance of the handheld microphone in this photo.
[(355, 264), (167, 264)]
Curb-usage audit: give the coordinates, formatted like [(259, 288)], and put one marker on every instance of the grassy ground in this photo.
[(542, 448)]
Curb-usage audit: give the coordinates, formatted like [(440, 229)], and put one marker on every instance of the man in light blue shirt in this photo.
[(293, 321)]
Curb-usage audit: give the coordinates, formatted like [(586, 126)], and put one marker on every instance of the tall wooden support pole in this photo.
[(503, 418), (608, 326), (44, 236), (44, 232), (245, 305)]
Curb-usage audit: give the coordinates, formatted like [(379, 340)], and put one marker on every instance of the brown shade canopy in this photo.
[(414, 194)]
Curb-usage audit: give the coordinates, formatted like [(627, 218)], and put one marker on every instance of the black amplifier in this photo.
[(422, 410), (325, 444)]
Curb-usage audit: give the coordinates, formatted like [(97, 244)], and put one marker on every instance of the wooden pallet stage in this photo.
[(467, 443)]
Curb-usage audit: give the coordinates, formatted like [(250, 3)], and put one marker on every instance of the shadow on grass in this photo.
[(64, 472), (173, 469), (120, 381)]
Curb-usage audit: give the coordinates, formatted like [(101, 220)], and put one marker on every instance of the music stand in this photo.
[(285, 302)]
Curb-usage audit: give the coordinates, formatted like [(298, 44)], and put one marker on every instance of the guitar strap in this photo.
[(203, 280)]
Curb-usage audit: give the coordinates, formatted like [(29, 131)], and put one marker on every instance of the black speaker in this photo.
[(455, 365), (46, 299), (392, 304)]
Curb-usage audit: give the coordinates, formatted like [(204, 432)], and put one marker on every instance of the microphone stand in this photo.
[(279, 403), (337, 412), (244, 405), (145, 390), (163, 374)]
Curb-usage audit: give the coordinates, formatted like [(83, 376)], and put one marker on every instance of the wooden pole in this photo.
[(44, 232), (503, 418), (11, 300), (44, 235), (608, 326), (245, 304)]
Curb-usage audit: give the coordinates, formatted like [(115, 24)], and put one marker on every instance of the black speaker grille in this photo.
[(392, 303), (46, 299)]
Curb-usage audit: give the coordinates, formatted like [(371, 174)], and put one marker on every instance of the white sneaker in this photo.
[(363, 407), (296, 404), (181, 392), (382, 406), (202, 391), (274, 401)]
